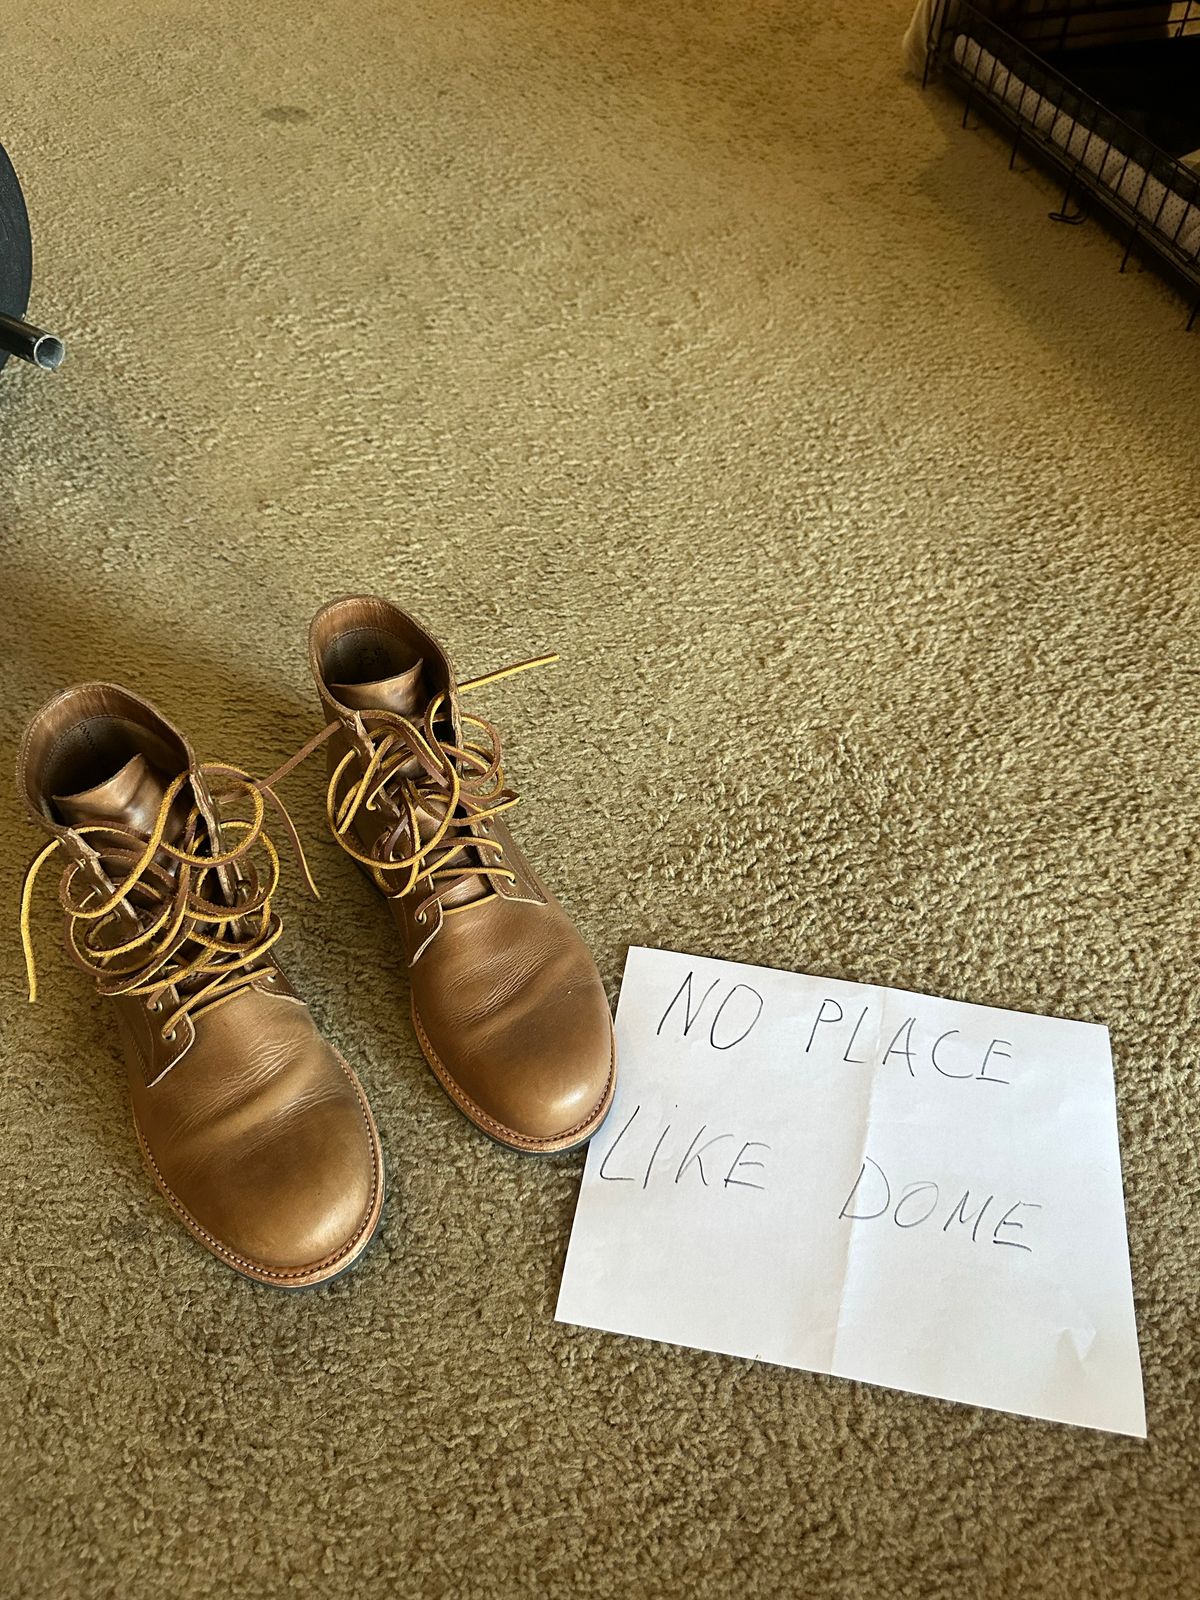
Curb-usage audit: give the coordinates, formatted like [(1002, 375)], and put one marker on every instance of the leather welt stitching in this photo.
[(246, 1261), (476, 1113)]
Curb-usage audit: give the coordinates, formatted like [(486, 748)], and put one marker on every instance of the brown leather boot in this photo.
[(254, 1128), (508, 1006)]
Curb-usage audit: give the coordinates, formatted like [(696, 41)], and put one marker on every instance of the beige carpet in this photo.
[(861, 500)]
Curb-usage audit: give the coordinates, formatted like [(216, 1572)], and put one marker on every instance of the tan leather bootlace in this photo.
[(457, 788), (208, 949)]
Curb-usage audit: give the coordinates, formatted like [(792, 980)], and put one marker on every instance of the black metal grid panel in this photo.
[(1147, 197), (1060, 24)]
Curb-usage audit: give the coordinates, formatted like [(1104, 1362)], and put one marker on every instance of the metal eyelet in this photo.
[(170, 1037), (421, 918), (154, 1005), (270, 977)]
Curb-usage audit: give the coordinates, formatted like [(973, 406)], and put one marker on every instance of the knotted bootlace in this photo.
[(208, 946), (444, 796)]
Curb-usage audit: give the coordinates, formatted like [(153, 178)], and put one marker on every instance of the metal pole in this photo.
[(22, 339)]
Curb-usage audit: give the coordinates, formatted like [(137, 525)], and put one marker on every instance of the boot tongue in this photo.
[(130, 798), (406, 693)]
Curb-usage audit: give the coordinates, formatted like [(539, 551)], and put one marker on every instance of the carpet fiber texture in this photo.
[(694, 341)]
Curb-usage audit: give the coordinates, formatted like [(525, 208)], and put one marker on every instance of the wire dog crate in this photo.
[(1014, 75)]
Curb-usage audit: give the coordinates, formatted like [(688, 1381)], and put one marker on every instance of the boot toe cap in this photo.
[(539, 1080), (309, 1200), (295, 1199)]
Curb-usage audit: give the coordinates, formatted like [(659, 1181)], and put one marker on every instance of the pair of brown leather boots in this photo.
[(254, 1127)]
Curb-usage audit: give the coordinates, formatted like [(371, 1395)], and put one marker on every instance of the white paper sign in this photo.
[(881, 1185)]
